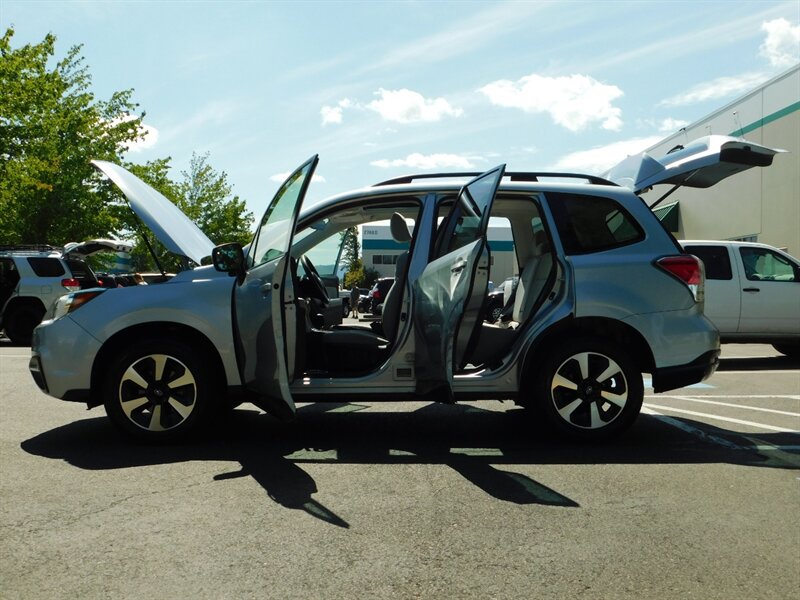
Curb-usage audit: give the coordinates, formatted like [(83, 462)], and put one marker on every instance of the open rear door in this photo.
[(449, 294), (264, 300)]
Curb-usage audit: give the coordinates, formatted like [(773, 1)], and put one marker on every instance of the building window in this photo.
[(377, 259)]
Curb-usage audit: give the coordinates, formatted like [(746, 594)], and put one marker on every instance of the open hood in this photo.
[(172, 228), (701, 164), (91, 246)]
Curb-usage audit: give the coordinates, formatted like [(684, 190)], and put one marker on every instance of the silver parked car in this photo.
[(605, 294)]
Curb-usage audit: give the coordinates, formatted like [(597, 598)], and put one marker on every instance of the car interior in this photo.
[(331, 349)]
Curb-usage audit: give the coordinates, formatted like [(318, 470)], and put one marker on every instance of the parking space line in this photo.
[(742, 406), (720, 418)]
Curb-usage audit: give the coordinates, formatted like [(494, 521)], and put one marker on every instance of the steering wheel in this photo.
[(317, 287)]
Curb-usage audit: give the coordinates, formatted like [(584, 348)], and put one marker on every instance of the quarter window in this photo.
[(592, 223)]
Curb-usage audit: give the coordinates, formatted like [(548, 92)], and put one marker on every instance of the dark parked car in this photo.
[(378, 294)]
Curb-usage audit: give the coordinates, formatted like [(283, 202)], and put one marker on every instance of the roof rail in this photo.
[(27, 248), (511, 175)]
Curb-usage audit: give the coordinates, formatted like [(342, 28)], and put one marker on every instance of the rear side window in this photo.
[(592, 223), (46, 267), (716, 260)]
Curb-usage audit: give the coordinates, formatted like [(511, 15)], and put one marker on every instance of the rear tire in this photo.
[(20, 321), (589, 388), (161, 390)]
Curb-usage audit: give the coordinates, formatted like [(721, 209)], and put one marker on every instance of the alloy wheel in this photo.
[(589, 390), (157, 392)]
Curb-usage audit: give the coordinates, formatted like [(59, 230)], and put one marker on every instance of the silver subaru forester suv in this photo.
[(605, 294)]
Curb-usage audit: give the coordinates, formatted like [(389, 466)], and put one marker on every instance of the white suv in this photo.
[(32, 277)]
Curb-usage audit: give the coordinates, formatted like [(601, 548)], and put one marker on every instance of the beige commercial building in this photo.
[(760, 205)]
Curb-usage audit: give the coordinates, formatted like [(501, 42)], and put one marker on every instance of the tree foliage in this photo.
[(203, 194), (51, 126)]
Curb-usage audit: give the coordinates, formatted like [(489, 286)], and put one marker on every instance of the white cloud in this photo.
[(149, 133), (429, 161), (574, 101), (599, 160), (782, 45), (669, 125), (408, 106), (715, 89), (333, 114), (281, 177)]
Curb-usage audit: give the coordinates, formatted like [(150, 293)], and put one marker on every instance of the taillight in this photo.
[(376, 295), (689, 269), (72, 284)]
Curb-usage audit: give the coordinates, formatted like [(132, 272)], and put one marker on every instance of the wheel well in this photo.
[(609, 329), (173, 331)]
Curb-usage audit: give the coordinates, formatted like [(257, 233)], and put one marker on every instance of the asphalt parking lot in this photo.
[(700, 499)]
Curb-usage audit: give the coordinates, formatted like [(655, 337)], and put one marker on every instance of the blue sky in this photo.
[(381, 89)]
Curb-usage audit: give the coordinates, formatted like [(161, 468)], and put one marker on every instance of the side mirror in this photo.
[(229, 258)]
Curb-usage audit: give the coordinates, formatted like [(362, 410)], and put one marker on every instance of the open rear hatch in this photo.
[(700, 164)]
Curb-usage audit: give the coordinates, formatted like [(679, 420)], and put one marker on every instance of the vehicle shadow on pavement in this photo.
[(759, 363), (478, 444)]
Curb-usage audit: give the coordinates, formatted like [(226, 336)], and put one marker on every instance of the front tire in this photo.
[(590, 389), (160, 390)]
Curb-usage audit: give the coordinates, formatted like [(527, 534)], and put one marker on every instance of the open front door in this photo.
[(264, 300), (449, 294)]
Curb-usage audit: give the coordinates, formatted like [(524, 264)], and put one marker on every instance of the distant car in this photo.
[(33, 276), (752, 292), (377, 295), (605, 294)]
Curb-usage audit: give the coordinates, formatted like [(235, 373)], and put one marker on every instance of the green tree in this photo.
[(51, 126), (202, 194), (207, 198)]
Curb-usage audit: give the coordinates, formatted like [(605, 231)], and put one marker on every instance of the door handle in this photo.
[(751, 290), (458, 267)]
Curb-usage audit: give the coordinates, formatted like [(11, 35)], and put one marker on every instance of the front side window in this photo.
[(761, 264), (592, 223), (273, 234)]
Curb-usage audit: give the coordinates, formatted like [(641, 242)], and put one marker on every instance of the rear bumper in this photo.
[(670, 378)]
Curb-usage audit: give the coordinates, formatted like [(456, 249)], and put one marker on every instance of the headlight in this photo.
[(70, 302)]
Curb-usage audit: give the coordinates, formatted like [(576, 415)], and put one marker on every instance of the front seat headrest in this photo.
[(399, 229)]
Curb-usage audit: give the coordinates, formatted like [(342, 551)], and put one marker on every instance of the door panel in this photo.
[(723, 297), (449, 293), (770, 292), (264, 299)]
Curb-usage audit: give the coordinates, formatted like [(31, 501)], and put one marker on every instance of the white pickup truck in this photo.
[(752, 292)]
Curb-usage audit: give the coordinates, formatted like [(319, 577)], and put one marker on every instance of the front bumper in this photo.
[(670, 378), (62, 357)]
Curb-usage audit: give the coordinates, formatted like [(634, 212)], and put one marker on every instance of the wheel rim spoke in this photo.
[(566, 412), (155, 420), (594, 413), (617, 399), (128, 406), (611, 370), (183, 411), (160, 361), (583, 363), (131, 374), (560, 381), (185, 379)]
